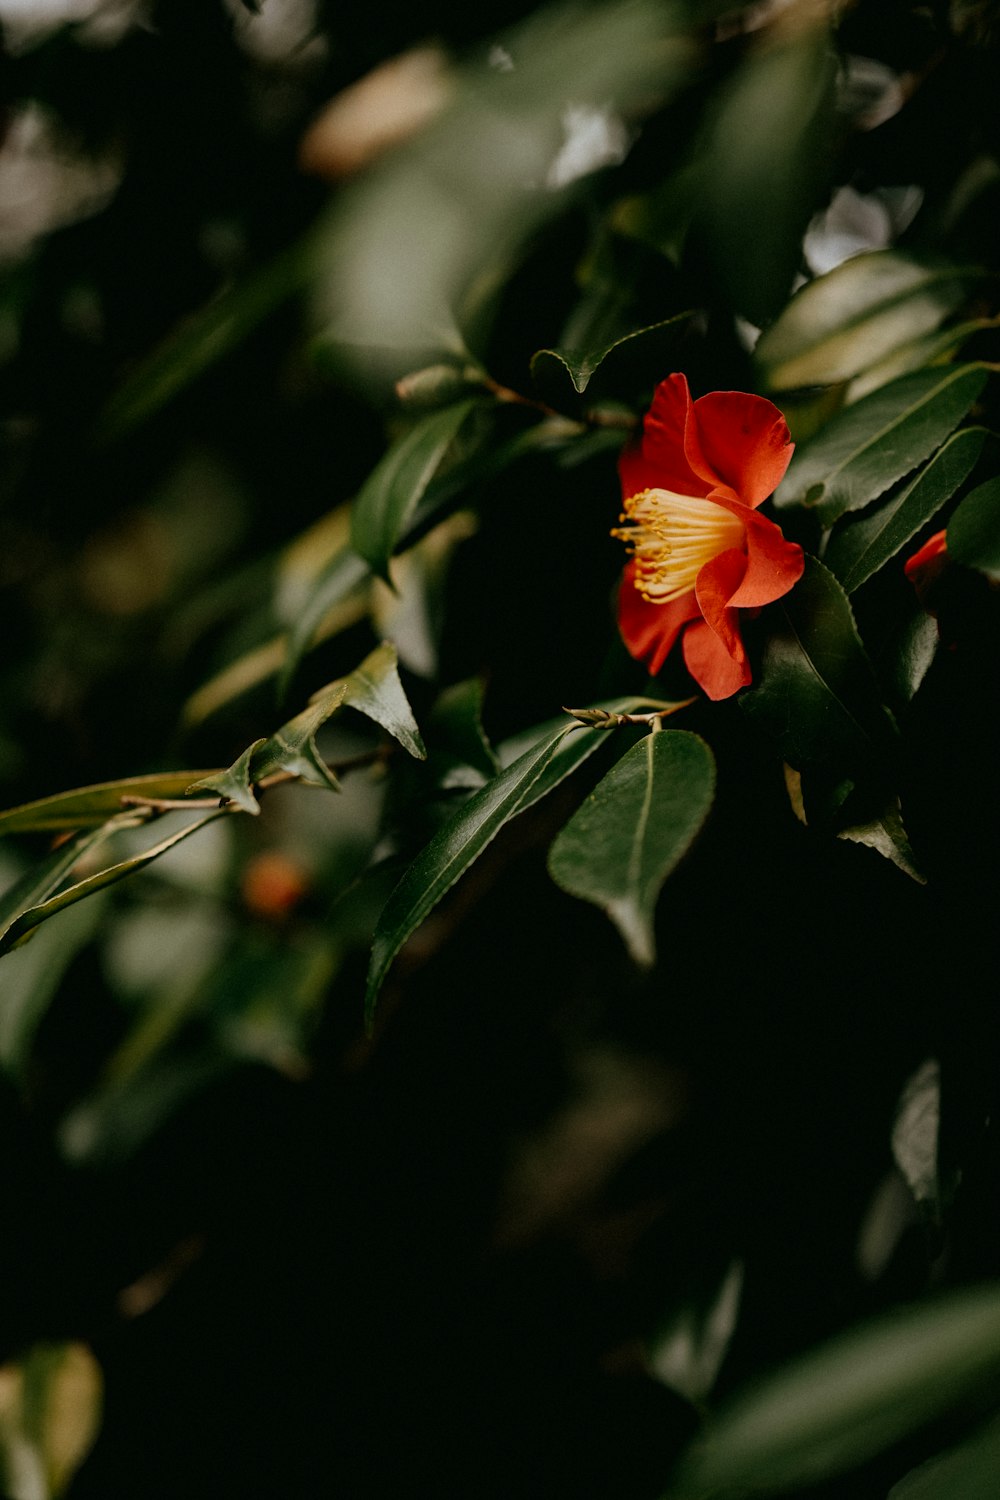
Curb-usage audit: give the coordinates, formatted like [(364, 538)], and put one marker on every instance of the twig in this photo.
[(157, 806), (603, 718), (592, 417)]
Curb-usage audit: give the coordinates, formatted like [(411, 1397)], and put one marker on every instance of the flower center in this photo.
[(672, 537)]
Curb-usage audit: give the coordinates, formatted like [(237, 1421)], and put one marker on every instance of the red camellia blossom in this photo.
[(701, 552), (926, 565)]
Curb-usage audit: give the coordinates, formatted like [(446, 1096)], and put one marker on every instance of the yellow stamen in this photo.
[(672, 537)]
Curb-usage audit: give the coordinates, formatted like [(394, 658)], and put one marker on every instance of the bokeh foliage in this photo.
[(350, 1147)]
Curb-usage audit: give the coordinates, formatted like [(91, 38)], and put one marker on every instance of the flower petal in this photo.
[(740, 440), (661, 462), (927, 559), (719, 665), (650, 630), (773, 565), (711, 665), (718, 583), (925, 567)]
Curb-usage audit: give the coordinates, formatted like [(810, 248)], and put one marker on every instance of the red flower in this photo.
[(701, 553), (927, 564)]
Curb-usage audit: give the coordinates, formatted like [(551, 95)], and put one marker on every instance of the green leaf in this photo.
[(851, 318), (389, 496), (867, 447), (89, 806), (930, 349), (969, 1472), (974, 530), (887, 836), (858, 548), (460, 742), (233, 785), (550, 368), (842, 1404), (907, 653), (31, 917), (615, 342), (767, 164), (375, 690), (463, 838), (644, 349), (817, 693), (291, 750), (38, 883), (636, 825), (339, 578)]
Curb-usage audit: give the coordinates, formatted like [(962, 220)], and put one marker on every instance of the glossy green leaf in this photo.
[(554, 367), (32, 916), (375, 690), (233, 785), (974, 530), (867, 447), (887, 836), (464, 837), (389, 496), (970, 1471), (339, 578), (843, 1403), (460, 741), (291, 750), (88, 806), (930, 349), (859, 548), (635, 826), (563, 372), (816, 692), (846, 321), (767, 163), (907, 653)]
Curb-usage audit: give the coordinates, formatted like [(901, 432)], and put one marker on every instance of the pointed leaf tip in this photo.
[(374, 689), (234, 784), (859, 547), (632, 831)]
